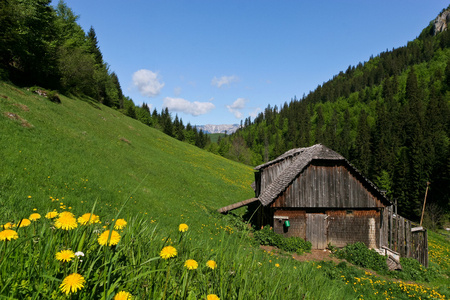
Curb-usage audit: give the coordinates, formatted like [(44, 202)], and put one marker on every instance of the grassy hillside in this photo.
[(82, 157), (79, 152)]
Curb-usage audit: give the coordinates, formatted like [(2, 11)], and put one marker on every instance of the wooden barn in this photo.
[(316, 194)]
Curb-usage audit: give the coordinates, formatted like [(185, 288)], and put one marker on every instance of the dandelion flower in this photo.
[(72, 283), (211, 264), (183, 227), (66, 222), (212, 297), (122, 295), (9, 225), (34, 217), (114, 240), (24, 223), (65, 255), (168, 252), (66, 214), (88, 218), (191, 264), (51, 215), (120, 224), (277, 265), (8, 235)]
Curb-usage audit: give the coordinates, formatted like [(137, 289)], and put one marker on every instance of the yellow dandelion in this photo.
[(122, 295), (183, 227), (191, 264), (34, 217), (8, 234), (211, 264), (88, 219), (120, 224), (277, 265), (114, 240), (51, 215), (65, 255), (212, 297), (24, 223), (9, 225), (72, 283), (66, 222), (168, 252), (66, 214)]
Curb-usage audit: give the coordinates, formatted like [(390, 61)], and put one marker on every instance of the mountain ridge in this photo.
[(223, 128)]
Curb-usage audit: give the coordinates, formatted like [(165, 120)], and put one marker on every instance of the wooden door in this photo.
[(316, 230)]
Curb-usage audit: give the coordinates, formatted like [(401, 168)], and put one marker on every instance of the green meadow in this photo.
[(81, 157)]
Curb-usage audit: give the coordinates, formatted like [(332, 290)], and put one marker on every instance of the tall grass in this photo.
[(82, 159)]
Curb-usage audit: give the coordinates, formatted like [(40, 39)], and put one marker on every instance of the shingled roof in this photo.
[(302, 157)]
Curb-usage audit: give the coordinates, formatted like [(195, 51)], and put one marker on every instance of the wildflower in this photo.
[(79, 253), (51, 214), (212, 297), (183, 227), (120, 224), (191, 264), (277, 265), (72, 283), (8, 234), (88, 218), (168, 252), (211, 264), (114, 240), (9, 225), (66, 221), (24, 223), (122, 295), (66, 214), (34, 217), (65, 255)]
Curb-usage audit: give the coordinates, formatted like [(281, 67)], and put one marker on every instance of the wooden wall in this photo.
[(338, 227), (327, 187), (399, 235)]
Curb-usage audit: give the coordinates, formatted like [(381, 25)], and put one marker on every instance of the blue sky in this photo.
[(219, 62)]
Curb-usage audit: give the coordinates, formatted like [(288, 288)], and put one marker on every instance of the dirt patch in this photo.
[(314, 255), (16, 117), (22, 106), (125, 140)]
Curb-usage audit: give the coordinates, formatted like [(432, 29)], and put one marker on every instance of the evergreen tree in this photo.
[(362, 144)]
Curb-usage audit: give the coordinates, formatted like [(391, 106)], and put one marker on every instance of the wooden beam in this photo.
[(236, 205)]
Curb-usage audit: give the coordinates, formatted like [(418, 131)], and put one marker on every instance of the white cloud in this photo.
[(224, 80), (255, 112), (192, 108), (147, 82), (237, 106)]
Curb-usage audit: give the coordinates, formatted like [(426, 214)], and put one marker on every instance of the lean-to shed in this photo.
[(316, 194)]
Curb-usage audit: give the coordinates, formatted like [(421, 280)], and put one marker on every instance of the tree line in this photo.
[(44, 46), (389, 117)]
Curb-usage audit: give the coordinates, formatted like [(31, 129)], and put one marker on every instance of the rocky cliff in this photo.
[(440, 23)]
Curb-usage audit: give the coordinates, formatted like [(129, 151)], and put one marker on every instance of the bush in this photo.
[(266, 236), (413, 270), (53, 96), (358, 254)]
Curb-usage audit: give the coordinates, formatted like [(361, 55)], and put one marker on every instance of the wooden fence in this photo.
[(402, 236)]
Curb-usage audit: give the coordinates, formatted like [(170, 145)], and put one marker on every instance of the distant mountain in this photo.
[(209, 128)]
